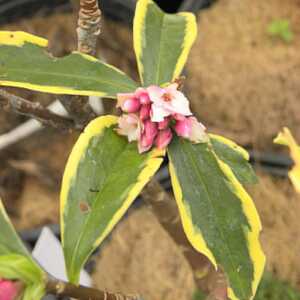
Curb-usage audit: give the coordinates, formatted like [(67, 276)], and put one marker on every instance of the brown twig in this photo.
[(78, 109), (88, 30), (166, 211), (89, 26), (61, 288), (34, 110)]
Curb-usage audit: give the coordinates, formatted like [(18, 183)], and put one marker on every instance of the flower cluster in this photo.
[(152, 115), (9, 290)]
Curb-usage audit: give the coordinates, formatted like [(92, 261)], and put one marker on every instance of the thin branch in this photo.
[(78, 109), (89, 26), (88, 30), (61, 288), (29, 127), (35, 110)]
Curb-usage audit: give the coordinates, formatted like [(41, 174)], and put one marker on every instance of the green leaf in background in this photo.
[(286, 138), (270, 288), (18, 267), (218, 216), (103, 176), (25, 63), (35, 291), (15, 266), (281, 28), (199, 295), (15, 261), (235, 157), (9, 240), (162, 42)]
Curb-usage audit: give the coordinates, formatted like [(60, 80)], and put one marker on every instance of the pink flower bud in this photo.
[(164, 124), (191, 129), (145, 143), (147, 138), (150, 129), (163, 139), (142, 95), (131, 105), (145, 112), (122, 97), (145, 99), (184, 128), (9, 290)]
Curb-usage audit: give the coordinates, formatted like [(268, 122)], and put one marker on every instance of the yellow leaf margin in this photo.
[(196, 238), (96, 127), (191, 31), (255, 250), (231, 144), (18, 39), (286, 138)]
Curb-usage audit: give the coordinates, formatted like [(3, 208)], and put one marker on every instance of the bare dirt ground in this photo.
[(241, 82), (279, 208), (141, 258)]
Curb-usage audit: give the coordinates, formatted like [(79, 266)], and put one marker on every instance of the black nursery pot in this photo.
[(120, 10), (123, 10)]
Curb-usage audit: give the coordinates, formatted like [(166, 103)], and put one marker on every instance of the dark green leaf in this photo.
[(218, 215), (22, 268), (235, 157), (9, 241), (14, 266), (103, 176), (25, 62), (162, 42)]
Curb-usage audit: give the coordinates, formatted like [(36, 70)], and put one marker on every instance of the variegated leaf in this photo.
[(285, 138), (162, 42), (10, 243), (218, 216), (15, 261), (25, 63), (103, 176), (235, 157)]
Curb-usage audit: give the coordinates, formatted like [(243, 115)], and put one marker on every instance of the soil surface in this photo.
[(140, 258), (241, 82), (279, 208)]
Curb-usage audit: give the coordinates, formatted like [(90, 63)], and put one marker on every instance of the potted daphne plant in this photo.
[(116, 156)]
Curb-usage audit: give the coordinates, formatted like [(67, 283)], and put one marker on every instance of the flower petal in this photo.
[(158, 113), (180, 104), (129, 125), (155, 93), (198, 134)]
